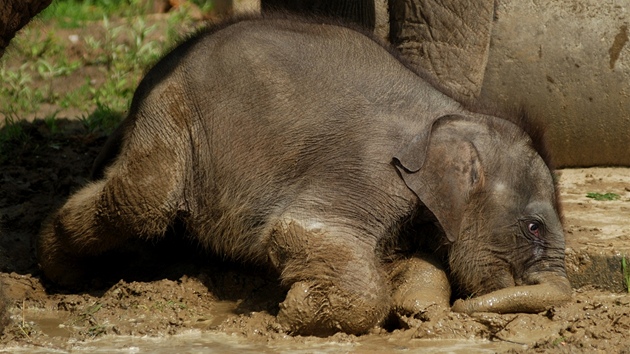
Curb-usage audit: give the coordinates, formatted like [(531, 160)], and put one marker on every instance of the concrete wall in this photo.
[(568, 63)]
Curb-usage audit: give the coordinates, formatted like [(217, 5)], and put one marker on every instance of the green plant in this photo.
[(31, 46), (86, 318), (605, 196), (16, 92), (103, 118), (558, 341), (145, 51), (626, 273), (74, 13), (51, 123), (123, 54), (168, 305), (179, 24), (112, 62), (204, 5), (23, 328), (49, 70), (79, 98), (11, 132)]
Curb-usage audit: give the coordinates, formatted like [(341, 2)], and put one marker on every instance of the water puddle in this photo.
[(204, 342), (53, 327)]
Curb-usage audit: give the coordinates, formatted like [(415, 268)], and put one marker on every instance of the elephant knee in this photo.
[(319, 309), (336, 281), (56, 259), (70, 234)]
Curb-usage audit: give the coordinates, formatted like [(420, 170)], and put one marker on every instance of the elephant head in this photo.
[(495, 198)]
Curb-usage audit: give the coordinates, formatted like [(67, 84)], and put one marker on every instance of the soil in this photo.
[(170, 296), (171, 288)]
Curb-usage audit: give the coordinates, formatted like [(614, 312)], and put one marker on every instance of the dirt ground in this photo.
[(172, 288), (174, 298)]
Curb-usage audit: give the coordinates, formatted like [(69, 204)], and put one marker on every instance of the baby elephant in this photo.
[(311, 148)]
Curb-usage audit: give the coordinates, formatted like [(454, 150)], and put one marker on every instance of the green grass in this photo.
[(51, 123), (113, 55), (12, 131), (88, 319), (102, 119), (74, 13), (16, 89), (558, 341), (604, 196), (12, 134)]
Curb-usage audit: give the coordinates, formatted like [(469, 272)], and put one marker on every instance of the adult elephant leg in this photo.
[(335, 280), (449, 39)]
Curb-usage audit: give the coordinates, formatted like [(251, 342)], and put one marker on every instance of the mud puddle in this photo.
[(594, 320), (209, 342), (223, 333)]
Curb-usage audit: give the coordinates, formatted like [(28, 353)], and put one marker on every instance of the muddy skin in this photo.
[(345, 290), (419, 283), (420, 288)]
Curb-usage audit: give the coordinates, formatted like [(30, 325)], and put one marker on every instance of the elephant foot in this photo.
[(311, 309), (58, 265)]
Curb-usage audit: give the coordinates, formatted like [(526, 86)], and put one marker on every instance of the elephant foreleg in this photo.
[(418, 284), (335, 282)]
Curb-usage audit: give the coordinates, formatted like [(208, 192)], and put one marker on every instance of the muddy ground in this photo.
[(170, 289), (175, 298)]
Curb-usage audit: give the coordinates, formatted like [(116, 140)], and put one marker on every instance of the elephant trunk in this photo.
[(552, 289)]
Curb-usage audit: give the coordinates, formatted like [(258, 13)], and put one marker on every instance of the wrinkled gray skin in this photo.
[(272, 150)]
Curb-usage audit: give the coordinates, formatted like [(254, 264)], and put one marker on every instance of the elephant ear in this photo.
[(443, 168)]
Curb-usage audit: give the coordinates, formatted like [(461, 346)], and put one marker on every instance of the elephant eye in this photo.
[(534, 229)]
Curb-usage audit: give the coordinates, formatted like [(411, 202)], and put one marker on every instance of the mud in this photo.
[(173, 297), (170, 297)]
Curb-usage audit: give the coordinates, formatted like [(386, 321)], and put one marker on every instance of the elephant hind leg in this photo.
[(102, 216), (336, 283)]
